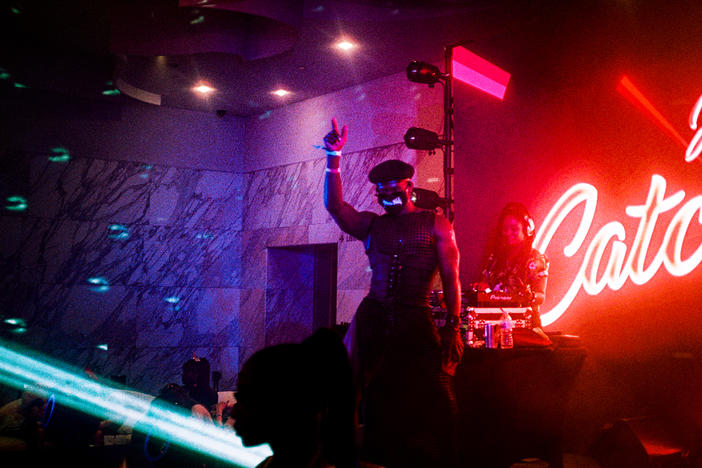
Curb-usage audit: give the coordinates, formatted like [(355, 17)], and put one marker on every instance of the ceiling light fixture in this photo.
[(345, 45), (203, 88), (280, 92)]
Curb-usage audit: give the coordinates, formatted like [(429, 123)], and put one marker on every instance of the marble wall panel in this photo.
[(252, 310), (67, 251), (353, 270), (347, 301), (70, 322), (327, 233), (289, 315), (132, 192)]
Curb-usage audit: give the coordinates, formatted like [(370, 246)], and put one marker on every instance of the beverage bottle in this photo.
[(506, 336)]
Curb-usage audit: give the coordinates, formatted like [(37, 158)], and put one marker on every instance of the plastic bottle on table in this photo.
[(506, 336)]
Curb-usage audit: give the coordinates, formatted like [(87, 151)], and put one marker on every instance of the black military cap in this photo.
[(392, 169)]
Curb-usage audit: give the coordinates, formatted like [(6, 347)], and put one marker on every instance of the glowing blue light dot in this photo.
[(18, 331), (172, 299), (101, 284), (146, 168), (102, 346), (119, 231)]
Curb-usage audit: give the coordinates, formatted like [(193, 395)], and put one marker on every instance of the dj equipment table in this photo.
[(512, 402)]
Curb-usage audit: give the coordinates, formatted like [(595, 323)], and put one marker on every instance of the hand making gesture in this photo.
[(334, 140)]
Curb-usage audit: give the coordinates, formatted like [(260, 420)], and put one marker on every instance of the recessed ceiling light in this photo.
[(203, 88), (281, 92), (344, 45)]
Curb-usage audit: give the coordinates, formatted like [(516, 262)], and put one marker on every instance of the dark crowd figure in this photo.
[(298, 398), (403, 365), (196, 379), (513, 265)]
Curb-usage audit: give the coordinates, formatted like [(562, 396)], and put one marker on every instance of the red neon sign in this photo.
[(695, 147), (624, 262)]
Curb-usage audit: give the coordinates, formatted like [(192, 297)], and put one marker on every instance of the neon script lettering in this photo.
[(695, 147), (596, 272)]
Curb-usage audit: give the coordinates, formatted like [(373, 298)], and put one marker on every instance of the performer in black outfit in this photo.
[(403, 365), (513, 265)]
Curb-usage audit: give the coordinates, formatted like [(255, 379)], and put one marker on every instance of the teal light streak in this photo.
[(18, 203), (103, 347), (101, 284), (16, 11), (4, 75), (19, 330), (118, 231), (15, 321), (60, 158), (172, 299), (19, 85), (25, 369), (198, 20), (59, 154), (111, 92)]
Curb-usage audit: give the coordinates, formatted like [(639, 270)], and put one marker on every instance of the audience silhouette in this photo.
[(299, 399), (196, 379)]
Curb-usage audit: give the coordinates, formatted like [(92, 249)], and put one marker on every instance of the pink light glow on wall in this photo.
[(478, 72)]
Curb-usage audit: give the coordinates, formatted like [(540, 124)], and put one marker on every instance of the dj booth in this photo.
[(513, 402)]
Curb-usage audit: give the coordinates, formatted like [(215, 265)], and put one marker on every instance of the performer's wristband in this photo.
[(328, 151), (332, 170)]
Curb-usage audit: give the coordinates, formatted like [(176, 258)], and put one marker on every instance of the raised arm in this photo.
[(351, 221), (447, 250)]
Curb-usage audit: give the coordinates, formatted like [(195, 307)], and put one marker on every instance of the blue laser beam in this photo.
[(19, 369)]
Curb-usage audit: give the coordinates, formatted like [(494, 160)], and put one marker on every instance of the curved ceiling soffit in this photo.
[(142, 35)]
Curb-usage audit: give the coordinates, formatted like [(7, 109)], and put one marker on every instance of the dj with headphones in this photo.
[(513, 266)]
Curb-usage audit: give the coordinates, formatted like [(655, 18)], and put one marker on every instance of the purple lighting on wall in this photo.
[(479, 73)]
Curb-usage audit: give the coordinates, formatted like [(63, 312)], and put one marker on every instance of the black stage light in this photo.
[(428, 199), (421, 139), (422, 72)]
